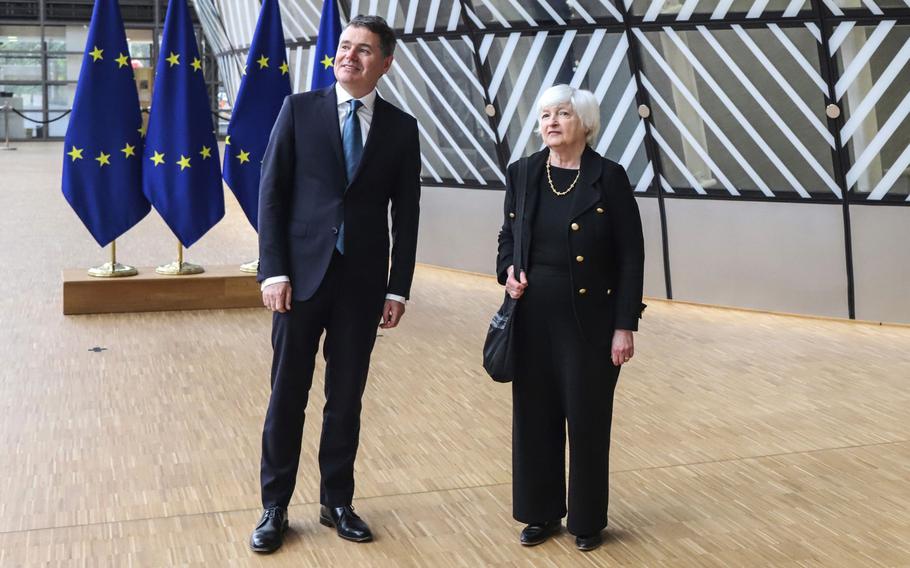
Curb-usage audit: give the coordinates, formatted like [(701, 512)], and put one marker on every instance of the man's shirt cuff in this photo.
[(276, 279), (273, 280)]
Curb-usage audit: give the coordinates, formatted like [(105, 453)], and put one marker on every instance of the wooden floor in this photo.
[(740, 439)]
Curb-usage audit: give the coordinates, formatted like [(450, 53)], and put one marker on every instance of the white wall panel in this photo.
[(785, 257)]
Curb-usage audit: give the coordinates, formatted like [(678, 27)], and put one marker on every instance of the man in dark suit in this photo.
[(336, 159)]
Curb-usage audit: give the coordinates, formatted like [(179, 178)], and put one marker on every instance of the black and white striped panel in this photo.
[(873, 90), (435, 80), (522, 66), (412, 16), (685, 10), (740, 110), (504, 14), (859, 8)]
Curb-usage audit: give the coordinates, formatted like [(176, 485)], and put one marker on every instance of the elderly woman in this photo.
[(580, 301)]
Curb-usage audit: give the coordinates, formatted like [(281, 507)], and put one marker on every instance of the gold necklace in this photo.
[(553, 187)]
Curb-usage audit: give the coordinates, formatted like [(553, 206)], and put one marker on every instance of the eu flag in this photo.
[(182, 174), (102, 169), (265, 85), (326, 46)]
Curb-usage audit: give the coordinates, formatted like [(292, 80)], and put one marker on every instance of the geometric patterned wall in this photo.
[(784, 100), (736, 93)]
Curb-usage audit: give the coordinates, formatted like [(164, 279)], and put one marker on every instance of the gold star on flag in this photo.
[(243, 71), (75, 153), (227, 140), (96, 53), (243, 157), (263, 62), (122, 61), (183, 162), (103, 159), (284, 67), (206, 152), (158, 158), (197, 65), (328, 62), (128, 151), (173, 59), (141, 131)]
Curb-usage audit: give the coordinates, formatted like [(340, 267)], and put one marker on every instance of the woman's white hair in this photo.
[(584, 103)]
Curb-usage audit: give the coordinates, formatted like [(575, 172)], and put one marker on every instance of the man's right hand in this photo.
[(277, 297)]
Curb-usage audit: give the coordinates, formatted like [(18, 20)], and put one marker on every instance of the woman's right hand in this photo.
[(515, 288)]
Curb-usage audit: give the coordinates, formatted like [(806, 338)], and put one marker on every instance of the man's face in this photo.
[(359, 62)]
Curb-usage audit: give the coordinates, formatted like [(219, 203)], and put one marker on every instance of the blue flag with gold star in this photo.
[(181, 172), (326, 46), (264, 86), (102, 168)]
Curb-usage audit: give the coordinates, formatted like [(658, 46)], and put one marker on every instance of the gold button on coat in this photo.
[(582, 291), (579, 258), (575, 226), (600, 209)]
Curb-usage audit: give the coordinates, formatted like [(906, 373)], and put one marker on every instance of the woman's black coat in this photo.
[(603, 240)]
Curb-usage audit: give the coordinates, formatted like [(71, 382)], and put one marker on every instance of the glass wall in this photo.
[(42, 45)]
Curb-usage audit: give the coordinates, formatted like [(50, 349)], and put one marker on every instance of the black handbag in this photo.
[(499, 349)]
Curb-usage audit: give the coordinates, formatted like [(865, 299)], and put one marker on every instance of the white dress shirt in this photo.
[(365, 114)]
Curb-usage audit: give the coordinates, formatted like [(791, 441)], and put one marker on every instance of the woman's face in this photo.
[(560, 127)]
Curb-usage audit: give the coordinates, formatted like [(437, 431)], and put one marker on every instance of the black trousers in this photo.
[(350, 318), (562, 380)]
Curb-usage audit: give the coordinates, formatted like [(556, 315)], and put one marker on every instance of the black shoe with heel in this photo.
[(536, 533), (587, 543)]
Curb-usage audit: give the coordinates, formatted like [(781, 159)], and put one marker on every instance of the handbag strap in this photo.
[(522, 190)]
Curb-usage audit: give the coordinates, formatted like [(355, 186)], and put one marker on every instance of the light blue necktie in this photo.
[(352, 144)]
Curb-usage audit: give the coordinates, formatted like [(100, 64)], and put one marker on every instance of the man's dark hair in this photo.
[(378, 26)]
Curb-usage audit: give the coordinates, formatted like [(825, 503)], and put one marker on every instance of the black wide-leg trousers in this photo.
[(349, 318), (562, 381)]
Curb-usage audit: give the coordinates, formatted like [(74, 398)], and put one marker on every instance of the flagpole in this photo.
[(179, 268), (112, 269)]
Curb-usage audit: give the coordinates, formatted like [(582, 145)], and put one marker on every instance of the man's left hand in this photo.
[(391, 314)]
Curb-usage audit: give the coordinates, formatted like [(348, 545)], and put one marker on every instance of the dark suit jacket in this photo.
[(603, 237), (304, 197)]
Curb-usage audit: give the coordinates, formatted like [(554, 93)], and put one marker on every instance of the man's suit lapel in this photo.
[(329, 116), (378, 123)]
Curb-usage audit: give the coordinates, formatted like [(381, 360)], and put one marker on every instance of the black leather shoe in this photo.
[(269, 533), (588, 543), (346, 522), (536, 533)]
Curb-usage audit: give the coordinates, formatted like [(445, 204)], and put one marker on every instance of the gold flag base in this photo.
[(112, 270), (252, 267), (179, 269)]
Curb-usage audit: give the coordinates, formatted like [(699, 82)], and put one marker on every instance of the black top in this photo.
[(549, 244)]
